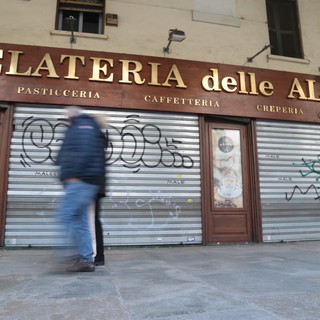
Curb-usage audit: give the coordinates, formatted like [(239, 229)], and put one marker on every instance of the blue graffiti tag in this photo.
[(311, 165), (310, 168)]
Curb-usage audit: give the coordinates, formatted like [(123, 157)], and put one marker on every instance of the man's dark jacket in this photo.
[(82, 153)]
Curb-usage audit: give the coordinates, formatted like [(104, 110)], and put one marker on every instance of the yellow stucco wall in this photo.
[(144, 24)]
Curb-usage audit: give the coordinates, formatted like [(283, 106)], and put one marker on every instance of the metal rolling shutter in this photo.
[(153, 192), (289, 166)]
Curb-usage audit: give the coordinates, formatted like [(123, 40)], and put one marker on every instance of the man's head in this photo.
[(73, 111)]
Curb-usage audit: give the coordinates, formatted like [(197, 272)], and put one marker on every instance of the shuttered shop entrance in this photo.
[(289, 169), (153, 192)]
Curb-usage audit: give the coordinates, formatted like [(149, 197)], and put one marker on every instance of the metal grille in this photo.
[(289, 169), (153, 191)]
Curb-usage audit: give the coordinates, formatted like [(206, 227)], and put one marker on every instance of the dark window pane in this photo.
[(289, 47), (68, 24), (273, 42), (286, 19), (91, 22), (271, 20)]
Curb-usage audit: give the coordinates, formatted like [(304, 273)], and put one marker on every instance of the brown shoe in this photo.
[(81, 266)]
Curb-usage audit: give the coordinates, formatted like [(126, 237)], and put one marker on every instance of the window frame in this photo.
[(273, 8), (81, 7)]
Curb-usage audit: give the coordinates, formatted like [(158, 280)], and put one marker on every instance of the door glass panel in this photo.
[(227, 169)]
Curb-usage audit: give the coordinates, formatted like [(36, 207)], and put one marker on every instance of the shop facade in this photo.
[(199, 153)]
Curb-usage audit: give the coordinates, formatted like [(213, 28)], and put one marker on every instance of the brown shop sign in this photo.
[(65, 76)]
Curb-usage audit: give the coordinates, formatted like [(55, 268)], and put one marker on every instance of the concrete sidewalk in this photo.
[(260, 281)]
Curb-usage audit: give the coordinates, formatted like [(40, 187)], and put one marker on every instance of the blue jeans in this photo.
[(73, 216)]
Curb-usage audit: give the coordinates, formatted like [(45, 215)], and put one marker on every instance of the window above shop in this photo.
[(80, 16), (284, 28)]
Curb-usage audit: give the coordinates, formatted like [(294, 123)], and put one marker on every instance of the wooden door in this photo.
[(227, 195)]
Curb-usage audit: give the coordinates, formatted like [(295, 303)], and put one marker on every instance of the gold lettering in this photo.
[(154, 74), (13, 69), (135, 72), (205, 103), (242, 78), (227, 82), (213, 80), (58, 92), (72, 65), (266, 88), (253, 83), (297, 89), (311, 90), (97, 68), (197, 102), (47, 65), (183, 100), (279, 109), (66, 93), (230, 84), (177, 100), (174, 75), (74, 94), (20, 89)]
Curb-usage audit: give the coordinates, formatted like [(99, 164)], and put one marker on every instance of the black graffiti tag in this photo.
[(298, 189), (39, 133), (140, 145), (144, 145)]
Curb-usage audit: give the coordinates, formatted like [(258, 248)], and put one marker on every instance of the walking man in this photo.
[(82, 172)]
